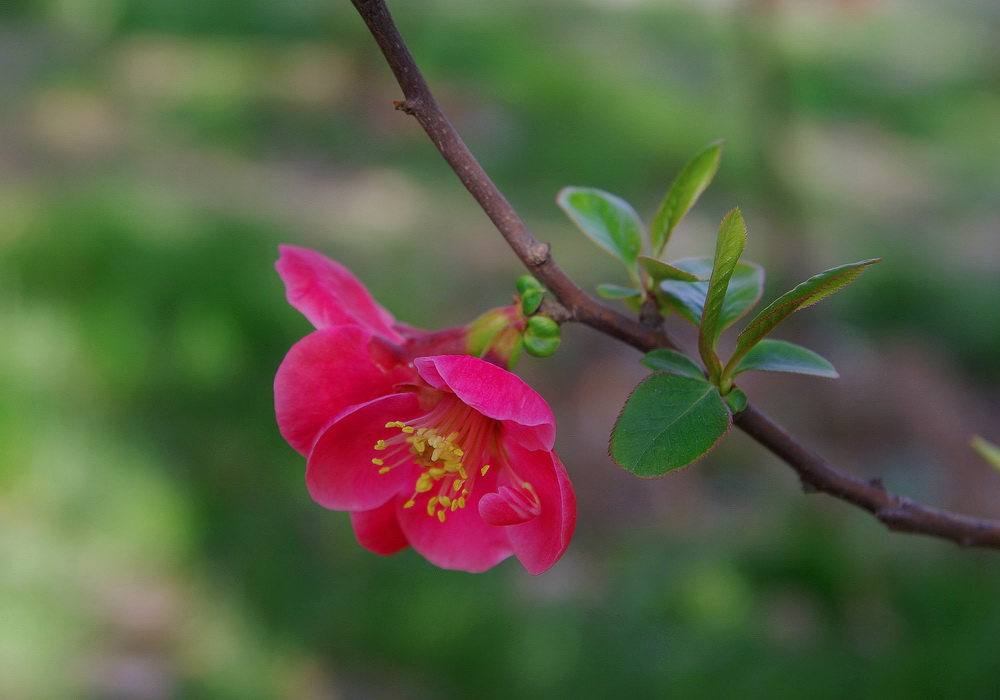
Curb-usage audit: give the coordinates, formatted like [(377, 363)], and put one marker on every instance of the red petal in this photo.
[(508, 506), (378, 530), (328, 294), (539, 542), (496, 393), (340, 473), (322, 375), (463, 542)]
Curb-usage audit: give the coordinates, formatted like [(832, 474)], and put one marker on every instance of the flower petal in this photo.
[(539, 542), (378, 530), (464, 541), (322, 375), (328, 294), (496, 393), (508, 506), (340, 473)]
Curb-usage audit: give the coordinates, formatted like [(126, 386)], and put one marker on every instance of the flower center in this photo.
[(445, 444)]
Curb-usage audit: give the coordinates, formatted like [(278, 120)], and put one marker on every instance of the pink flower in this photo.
[(448, 453)]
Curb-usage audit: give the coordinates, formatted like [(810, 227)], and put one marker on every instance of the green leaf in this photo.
[(987, 450), (781, 356), (672, 361), (688, 299), (728, 249), (683, 193), (659, 271), (542, 336), (607, 220), (736, 400), (668, 422), (809, 292), (614, 291)]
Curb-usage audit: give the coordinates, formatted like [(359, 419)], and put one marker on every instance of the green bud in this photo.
[(542, 336), (496, 336), (527, 283), (736, 400), (531, 300)]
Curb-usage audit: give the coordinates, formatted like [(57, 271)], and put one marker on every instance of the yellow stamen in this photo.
[(424, 483), (438, 456)]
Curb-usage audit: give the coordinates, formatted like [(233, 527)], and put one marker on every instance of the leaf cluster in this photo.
[(681, 411)]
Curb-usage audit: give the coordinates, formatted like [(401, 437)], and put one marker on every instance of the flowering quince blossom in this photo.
[(425, 446)]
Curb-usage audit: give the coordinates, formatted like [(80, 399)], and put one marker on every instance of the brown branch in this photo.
[(895, 512), (420, 103)]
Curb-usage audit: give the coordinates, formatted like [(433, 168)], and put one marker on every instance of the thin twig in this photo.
[(897, 513)]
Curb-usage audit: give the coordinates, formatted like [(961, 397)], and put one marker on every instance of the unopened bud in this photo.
[(542, 336)]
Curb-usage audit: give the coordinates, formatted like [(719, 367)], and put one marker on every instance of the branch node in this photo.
[(556, 311), (892, 518), (538, 254), (404, 106), (878, 484), (808, 486), (649, 314)]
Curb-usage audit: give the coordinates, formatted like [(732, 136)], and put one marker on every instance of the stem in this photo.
[(897, 513), (420, 104)]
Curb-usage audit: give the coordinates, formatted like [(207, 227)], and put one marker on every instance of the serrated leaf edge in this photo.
[(729, 427)]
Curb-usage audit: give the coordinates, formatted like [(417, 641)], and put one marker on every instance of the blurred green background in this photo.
[(156, 537)]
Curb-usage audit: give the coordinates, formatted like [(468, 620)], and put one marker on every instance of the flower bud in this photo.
[(542, 336), (496, 336)]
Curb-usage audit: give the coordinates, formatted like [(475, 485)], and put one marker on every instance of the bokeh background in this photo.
[(156, 538)]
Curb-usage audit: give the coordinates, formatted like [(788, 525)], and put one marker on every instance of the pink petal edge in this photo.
[(328, 294), (494, 392), (340, 474), (322, 375), (378, 530), (540, 542)]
